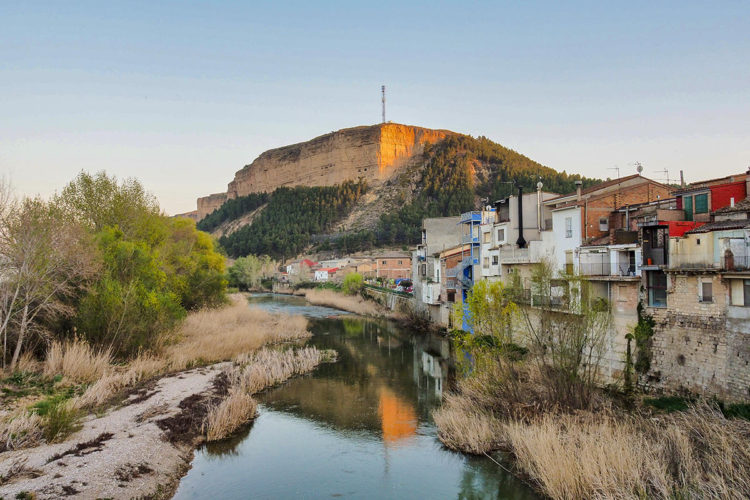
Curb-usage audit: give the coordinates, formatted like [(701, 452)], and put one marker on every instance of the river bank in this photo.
[(135, 436)]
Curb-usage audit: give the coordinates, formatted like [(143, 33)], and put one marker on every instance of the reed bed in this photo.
[(20, 429), (213, 335), (229, 415), (351, 303), (598, 452), (252, 373), (77, 360)]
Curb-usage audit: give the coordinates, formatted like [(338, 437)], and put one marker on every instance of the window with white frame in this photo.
[(486, 237), (568, 227), (501, 236), (603, 224), (486, 262), (705, 289)]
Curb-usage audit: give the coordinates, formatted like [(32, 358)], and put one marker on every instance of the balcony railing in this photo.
[(736, 263), (606, 269), (471, 217)]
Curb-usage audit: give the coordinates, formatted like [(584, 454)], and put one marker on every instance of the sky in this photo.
[(182, 94)]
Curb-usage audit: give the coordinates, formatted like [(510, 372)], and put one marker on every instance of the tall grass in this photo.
[(20, 429), (221, 334), (251, 373), (77, 360), (351, 303), (226, 417), (599, 452)]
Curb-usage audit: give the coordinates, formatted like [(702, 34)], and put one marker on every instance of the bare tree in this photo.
[(45, 259)]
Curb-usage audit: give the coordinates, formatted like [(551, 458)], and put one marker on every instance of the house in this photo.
[(325, 273), (392, 266), (453, 262), (584, 216), (696, 297), (438, 234), (700, 199), (300, 266), (518, 242)]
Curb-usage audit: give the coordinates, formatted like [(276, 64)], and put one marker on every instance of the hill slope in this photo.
[(441, 179)]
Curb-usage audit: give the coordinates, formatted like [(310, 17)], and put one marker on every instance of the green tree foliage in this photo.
[(153, 268), (352, 284), (292, 215), (232, 209), (248, 272)]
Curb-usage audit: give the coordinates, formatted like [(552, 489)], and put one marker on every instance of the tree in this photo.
[(46, 259), (352, 284), (248, 272), (567, 330)]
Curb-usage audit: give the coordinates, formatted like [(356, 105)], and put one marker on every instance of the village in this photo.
[(676, 255)]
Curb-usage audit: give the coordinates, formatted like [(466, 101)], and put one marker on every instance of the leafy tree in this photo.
[(248, 272), (352, 284)]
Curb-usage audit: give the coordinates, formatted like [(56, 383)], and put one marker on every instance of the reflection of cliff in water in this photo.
[(384, 382)]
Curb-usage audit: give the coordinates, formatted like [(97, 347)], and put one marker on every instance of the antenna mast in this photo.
[(382, 89)]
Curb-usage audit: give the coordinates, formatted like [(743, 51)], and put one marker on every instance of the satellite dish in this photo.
[(539, 185), (639, 168)]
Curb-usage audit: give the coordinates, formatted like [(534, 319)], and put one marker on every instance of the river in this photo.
[(357, 428)]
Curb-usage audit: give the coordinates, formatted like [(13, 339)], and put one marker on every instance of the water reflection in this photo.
[(360, 427)]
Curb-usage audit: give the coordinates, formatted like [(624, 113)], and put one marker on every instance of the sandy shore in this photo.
[(139, 449)]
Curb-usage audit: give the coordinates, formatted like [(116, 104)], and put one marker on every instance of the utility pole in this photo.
[(382, 89)]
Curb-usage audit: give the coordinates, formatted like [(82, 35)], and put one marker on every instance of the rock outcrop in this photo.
[(374, 153)]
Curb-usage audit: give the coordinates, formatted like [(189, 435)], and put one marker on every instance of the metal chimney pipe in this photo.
[(579, 185), (521, 242)]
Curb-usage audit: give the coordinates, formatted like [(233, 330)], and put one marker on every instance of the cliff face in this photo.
[(373, 153)]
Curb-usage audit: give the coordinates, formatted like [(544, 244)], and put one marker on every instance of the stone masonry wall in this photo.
[(695, 347)]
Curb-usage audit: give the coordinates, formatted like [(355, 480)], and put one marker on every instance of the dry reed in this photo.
[(76, 360), (351, 303), (251, 373), (226, 417), (20, 429), (213, 335)]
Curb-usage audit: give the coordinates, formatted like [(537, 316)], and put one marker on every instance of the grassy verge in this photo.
[(604, 451), (46, 401)]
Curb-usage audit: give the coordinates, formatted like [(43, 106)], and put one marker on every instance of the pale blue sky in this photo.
[(183, 94)]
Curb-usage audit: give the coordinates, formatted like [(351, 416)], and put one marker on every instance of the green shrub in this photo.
[(60, 421), (353, 283)]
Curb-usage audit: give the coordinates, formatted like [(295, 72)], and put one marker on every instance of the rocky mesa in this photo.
[(374, 153)]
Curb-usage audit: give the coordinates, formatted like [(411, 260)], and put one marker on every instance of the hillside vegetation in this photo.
[(453, 176), (284, 228)]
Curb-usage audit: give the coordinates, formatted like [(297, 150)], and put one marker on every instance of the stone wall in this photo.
[(373, 153), (696, 346)]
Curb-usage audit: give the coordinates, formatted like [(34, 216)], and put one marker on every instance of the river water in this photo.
[(357, 428)]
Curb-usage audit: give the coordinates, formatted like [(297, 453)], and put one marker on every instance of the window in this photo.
[(706, 288), (494, 260), (384, 263), (746, 289), (486, 262), (603, 224), (701, 203), (400, 262), (486, 237), (568, 227), (423, 270), (687, 205), (657, 289), (501, 235), (451, 296)]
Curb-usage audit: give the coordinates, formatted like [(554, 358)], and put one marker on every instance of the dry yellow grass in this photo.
[(351, 303), (20, 429), (251, 373), (77, 360), (215, 335), (226, 417), (462, 425)]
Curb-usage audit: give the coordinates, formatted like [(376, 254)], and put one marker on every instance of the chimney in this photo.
[(521, 241), (579, 184), (682, 180)]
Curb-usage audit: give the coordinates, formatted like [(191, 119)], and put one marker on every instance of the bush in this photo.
[(353, 284)]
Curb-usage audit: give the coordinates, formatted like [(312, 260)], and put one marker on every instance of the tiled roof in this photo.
[(597, 187), (721, 225), (741, 206)]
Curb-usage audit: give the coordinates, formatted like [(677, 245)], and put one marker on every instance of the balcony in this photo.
[(740, 263), (473, 217), (606, 269)]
